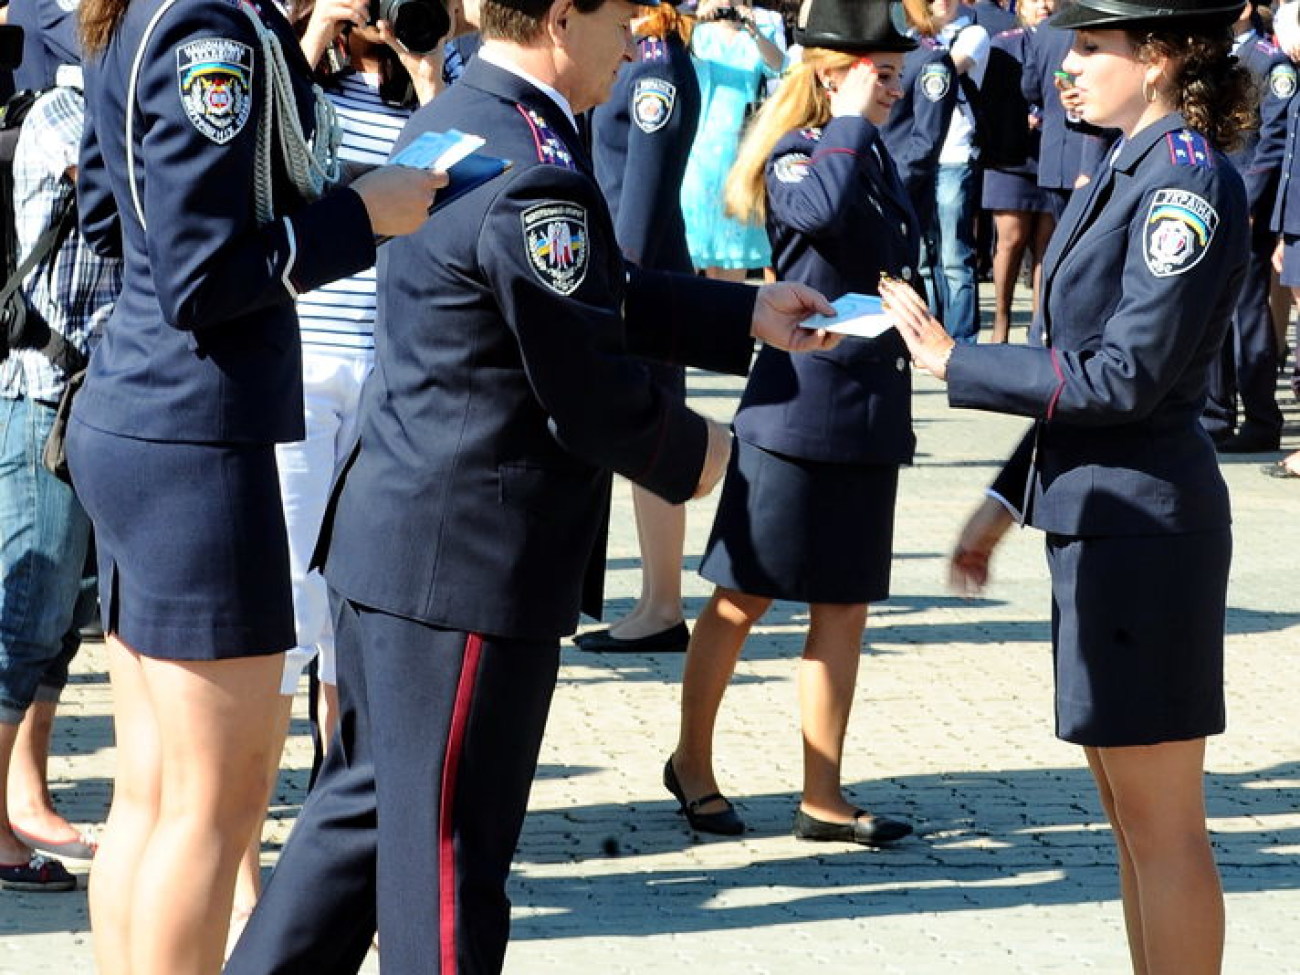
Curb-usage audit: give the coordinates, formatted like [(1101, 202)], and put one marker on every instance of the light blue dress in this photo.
[(730, 70)]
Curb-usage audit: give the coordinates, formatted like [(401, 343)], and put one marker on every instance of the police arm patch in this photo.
[(555, 236), (1178, 231), (1282, 80), (652, 104), (215, 76), (936, 79), (792, 167)]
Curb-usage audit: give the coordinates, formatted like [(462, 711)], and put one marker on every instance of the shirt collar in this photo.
[(493, 55)]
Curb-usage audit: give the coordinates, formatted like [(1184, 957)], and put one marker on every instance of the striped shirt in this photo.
[(76, 293), (341, 315)]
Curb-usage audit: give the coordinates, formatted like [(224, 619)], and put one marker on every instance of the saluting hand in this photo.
[(930, 345), (779, 310), (398, 198), (328, 18)]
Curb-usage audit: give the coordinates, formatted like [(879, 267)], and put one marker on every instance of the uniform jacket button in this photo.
[(907, 274), (901, 364)]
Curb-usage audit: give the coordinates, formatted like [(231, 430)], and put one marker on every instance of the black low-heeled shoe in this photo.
[(862, 828), (672, 640), (724, 822)]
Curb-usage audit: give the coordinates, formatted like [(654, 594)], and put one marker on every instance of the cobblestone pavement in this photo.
[(1011, 869)]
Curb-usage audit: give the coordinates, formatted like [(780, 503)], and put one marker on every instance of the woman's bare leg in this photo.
[(828, 675)]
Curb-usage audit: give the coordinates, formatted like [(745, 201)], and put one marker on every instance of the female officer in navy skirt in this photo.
[(171, 446), (1140, 283), (807, 508), (641, 141)]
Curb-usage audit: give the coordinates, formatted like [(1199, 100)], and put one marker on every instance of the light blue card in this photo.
[(855, 314)]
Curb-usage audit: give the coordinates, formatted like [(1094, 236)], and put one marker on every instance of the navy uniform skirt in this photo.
[(193, 552), (1015, 191), (803, 530), (1137, 636)]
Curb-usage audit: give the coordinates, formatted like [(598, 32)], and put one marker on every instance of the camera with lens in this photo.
[(418, 24), (725, 13)]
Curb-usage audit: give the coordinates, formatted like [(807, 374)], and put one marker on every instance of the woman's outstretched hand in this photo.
[(926, 339)]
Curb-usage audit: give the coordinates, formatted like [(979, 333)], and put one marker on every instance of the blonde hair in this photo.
[(920, 17), (799, 102)]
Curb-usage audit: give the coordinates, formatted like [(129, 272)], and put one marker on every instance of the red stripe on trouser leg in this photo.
[(447, 804)]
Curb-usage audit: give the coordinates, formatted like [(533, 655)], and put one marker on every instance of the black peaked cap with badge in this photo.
[(854, 25), (1115, 14)]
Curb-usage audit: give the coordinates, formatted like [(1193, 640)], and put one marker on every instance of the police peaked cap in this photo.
[(1108, 14), (853, 25)]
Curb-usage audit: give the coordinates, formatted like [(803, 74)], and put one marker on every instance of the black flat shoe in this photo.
[(725, 822), (864, 829), (672, 640)]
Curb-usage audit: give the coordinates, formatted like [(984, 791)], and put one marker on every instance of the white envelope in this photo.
[(855, 314)]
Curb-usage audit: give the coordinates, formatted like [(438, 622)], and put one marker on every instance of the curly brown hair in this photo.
[(1209, 88)]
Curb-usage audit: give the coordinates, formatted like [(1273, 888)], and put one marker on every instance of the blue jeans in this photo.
[(957, 198), (44, 536)]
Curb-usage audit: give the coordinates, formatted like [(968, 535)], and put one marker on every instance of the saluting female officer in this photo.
[(807, 508), (221, 221), (641, 141), (1117, 469)]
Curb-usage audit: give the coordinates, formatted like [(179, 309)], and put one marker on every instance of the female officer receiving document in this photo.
[(1116, 469)]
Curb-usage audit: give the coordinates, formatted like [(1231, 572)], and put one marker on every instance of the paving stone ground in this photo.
[(1011, 870)]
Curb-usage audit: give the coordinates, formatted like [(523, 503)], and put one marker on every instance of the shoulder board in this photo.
[(1013, 32), (928, 43), (1267, 46), (550, 147), (652, 49), (1188, 148), (811, 134)]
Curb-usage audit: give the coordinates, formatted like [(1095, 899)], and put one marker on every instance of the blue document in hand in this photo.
[(855, 314), (454, 153)]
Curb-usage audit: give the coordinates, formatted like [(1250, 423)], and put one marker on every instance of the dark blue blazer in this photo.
[(202, 345), (918, 121), (992, 18), (837, 217), (641, 141), (1140, 282), (505, 386), (1260, 158), (1066, 149)]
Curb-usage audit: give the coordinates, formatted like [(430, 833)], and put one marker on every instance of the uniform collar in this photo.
[(1138, 146), (496, 57)]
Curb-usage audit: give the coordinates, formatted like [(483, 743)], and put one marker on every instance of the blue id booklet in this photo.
[(456, 154)]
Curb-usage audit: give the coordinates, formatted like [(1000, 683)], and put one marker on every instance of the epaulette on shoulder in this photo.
[(928, 43), (550, 147), (812, 134), (1188, 148), (1013, 32), (1267, 47), (652, 49)]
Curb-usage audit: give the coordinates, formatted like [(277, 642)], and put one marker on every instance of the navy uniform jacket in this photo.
[(502, 392), (1261, 156), (642, 140), (202, 345), (1067, 149), (918, 121), (838, 216), (1119, 389)]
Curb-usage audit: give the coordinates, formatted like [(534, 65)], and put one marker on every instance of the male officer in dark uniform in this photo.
[(1248, 370), (474, 508)]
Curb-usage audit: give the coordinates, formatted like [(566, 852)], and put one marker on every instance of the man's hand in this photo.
[(716, 458), (779, 310)]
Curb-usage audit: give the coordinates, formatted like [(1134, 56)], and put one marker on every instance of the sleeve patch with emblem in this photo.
[(652, 103), (935, 81), (792, 167), (1178, 231), (1282, 80), (555, 235), (215, 76)]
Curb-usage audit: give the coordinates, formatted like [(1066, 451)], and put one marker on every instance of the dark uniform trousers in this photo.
[(410, 676)]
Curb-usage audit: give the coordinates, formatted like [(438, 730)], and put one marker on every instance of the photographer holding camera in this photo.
[(377, 61)]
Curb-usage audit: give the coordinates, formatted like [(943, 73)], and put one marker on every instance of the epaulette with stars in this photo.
[(1188, 148), (550, 147), (652, 49)]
